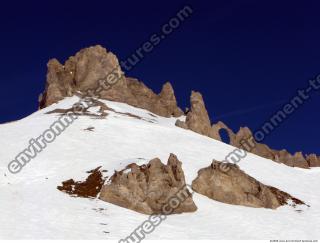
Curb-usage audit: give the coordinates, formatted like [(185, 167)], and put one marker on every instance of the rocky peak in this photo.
[(95, 67), (313, 160), (197, 118)]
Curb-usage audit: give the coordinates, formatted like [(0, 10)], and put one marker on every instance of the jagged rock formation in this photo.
[(313, 160), (216, 131), (149, 188), (233, 186), (197, 118), (244, 139), (198, 121), (98, 70)]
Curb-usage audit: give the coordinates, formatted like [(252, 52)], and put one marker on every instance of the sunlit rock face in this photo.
[(233, 186), (150, 188), (96, 72)]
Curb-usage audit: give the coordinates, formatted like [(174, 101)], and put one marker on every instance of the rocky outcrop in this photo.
[(233, 186), (96, 72), (244, 139), (313, 160), (216, 128), (164, 104), (197, 119), (154, 188)]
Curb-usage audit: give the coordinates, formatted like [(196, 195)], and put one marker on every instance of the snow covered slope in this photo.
[(32, 208)]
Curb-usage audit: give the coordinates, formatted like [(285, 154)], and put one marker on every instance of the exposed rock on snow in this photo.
[(148, 188), (181, 124), (251, 145), (216, 131), (234, 186), (313, 160), (197, 118), (88, 188), (95, 67), (90, 66)]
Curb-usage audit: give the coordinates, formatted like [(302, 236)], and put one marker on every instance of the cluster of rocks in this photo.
[(233, 186), (244, 139), (155, 188), (149, 188), (96, 72), (197, 120)]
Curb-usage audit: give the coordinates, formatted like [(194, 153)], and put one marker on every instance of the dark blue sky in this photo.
[(245, 57)]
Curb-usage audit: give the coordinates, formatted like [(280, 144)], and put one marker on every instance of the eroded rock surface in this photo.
[(244, 139), (313, 160), (150, 188), (197, 119), (95, 71), (233, 186)]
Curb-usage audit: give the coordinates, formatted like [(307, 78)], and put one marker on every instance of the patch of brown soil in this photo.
[(88, 188), (284, 197)]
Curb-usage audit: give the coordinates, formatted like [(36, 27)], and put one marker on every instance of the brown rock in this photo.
[(164, 104), (244, 139), (233, 186), (88, 188), (150, 188), (168, 101), (95, 67), (298, 160), (215, 131), (181, 124), (313, 160), (197, 119)]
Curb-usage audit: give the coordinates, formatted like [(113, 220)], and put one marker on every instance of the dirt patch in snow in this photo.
[(89, 188)]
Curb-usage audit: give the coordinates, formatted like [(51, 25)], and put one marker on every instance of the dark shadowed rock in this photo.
[(233, 186), (149, 188), (94, 71), (88, 188), (181, 124)]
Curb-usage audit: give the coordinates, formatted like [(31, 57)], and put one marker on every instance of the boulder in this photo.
[(233, 186), (181, 124), (154, 188)]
